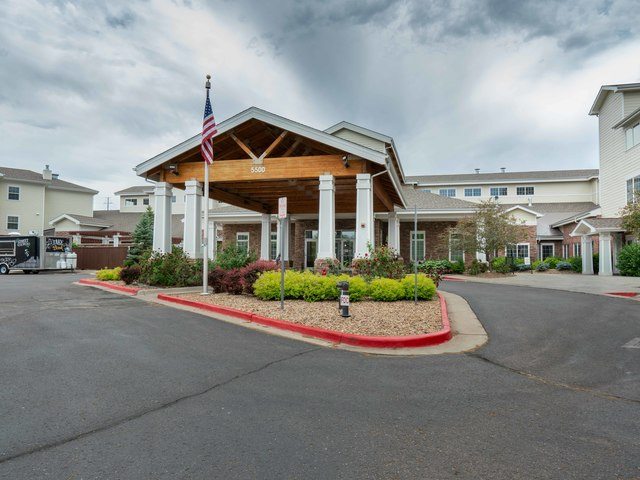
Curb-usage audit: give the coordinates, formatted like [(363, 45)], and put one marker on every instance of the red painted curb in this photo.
[(623, 294), (452, 279), (120, 288), (330, 335)]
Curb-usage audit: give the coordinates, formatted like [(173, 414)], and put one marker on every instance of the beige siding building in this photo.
[(30, 200)]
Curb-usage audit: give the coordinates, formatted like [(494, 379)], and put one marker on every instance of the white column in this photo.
[(162, 217), (212, 235), (327, 218), (286, 228), (192, 239), (116, 240), (587, 255), (394, 231), (265, 237), (364, 214), (606, 267)]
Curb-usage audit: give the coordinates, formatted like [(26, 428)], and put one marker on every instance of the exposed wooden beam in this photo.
[(274, 168), (246, 149), (293, 146), (273, 145), (382, 194), (238, 200)]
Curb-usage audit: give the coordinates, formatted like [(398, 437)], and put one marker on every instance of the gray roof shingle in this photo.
[(499, 176), (136, 190), (30, 176)]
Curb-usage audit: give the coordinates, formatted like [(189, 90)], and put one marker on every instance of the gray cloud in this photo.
[(95, 88)]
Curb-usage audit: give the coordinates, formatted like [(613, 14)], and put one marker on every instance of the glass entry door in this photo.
[(310, 247), (345, 246)]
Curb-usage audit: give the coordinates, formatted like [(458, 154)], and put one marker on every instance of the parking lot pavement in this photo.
[(99, 385)]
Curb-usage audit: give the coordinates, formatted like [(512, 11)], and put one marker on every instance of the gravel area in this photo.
[(367, 318)]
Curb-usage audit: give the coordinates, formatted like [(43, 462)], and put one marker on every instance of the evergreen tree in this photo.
[(142, 238)]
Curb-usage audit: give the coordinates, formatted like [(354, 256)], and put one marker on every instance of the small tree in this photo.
[(487, 231), (631, 217), (142, 238)]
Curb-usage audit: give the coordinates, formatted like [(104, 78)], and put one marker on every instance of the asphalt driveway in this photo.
[(98, 385)]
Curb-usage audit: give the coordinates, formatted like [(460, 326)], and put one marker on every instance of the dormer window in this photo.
[(633, 136), (447, 192)]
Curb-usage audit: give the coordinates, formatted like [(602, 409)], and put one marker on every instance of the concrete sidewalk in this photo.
[(568, 282)]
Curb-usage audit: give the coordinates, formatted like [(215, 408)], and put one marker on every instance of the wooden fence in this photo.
[(97, 257)]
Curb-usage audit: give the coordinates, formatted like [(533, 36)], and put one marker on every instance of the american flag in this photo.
[(208, 131)]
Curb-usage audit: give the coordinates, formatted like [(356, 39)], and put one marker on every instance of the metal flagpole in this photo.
[(205, 235), (415, 254)]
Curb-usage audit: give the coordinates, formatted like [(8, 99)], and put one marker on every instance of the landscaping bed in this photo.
[(401, 318)]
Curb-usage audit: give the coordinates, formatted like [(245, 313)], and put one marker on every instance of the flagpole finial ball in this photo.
[(208, 77)]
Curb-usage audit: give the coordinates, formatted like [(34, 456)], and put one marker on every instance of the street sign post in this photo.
[(282, 215)]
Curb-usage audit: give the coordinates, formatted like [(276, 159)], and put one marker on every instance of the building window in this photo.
[(633, 136), (13, 222), (417, 245), (447, 192), (546, 250), (525, 190), (7, 248), (130, 202), (473, 192), (273, 245), (145, 201), (456, 253), (633, 189), (520, 250), (498, 191), (428, 190), (565, 250), (577, 249), (173, 199), (14, 193), (242, 241)]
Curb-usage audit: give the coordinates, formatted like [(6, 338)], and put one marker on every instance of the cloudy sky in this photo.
[(94, 88)]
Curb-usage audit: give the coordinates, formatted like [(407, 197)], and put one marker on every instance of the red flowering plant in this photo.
[(326, 266), (381, 261)]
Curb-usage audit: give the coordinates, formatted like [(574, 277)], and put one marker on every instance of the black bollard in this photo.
[(343, 299)]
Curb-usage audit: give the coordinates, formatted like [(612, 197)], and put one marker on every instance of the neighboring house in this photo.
[(138, 198), (30, 200), (346, 188)]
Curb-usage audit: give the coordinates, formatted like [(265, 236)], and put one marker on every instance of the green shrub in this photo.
[(232, 256), (576, 263), (320, 287), (503, 265), (130, 274), (536, 264), (386, 290), (458, 267), (439, 266), (477, 267), (107, 274), (381, 261), (172, 269), (552, 261), (542, 267), (426, 287), (358, 287), (267, 286), (564, 266), (629, 260), (522, 267)]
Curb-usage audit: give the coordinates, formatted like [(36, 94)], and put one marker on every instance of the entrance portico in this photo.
[(259, 157), (609, 232)]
